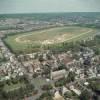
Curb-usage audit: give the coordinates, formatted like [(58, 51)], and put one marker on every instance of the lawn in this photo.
[(13, 87), (38, 82), (33, 40)]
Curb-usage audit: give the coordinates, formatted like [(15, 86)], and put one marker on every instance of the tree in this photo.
[(68, 95), (71, 76), (41, 58), (46, 96), (46, 87), (2, 84), (85, 95), (14, 81), (95, 86), (60, 82), (49, 57), (96, 50), (61, 66)]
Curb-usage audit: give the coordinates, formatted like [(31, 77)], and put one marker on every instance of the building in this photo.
[(57, 96), (56, 75)]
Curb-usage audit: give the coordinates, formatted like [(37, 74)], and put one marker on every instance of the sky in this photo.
[(39, 6)]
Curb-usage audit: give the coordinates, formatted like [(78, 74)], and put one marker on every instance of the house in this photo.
[(78, 92)]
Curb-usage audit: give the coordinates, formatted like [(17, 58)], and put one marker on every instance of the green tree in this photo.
[(71, 76), (85, 95)]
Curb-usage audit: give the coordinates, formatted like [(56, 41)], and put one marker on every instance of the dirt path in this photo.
[(79, 35)]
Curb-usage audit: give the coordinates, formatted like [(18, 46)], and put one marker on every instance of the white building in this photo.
[(58, 74)]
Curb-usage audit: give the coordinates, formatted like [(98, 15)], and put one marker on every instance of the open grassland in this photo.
[(34, 40)]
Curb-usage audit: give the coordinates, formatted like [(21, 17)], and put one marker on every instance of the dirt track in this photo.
[(52, 41)]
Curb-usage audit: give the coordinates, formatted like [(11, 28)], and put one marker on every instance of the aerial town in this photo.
[(67, 72)]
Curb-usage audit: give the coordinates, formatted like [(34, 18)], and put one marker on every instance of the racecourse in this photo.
[(30, 40)]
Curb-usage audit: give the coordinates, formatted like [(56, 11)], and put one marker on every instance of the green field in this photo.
[(13, 87), (34, 40)]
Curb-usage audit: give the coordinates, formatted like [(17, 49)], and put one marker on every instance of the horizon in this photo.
[(44, 13)]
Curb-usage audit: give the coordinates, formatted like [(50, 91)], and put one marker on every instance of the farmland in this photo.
[(33, 41)]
